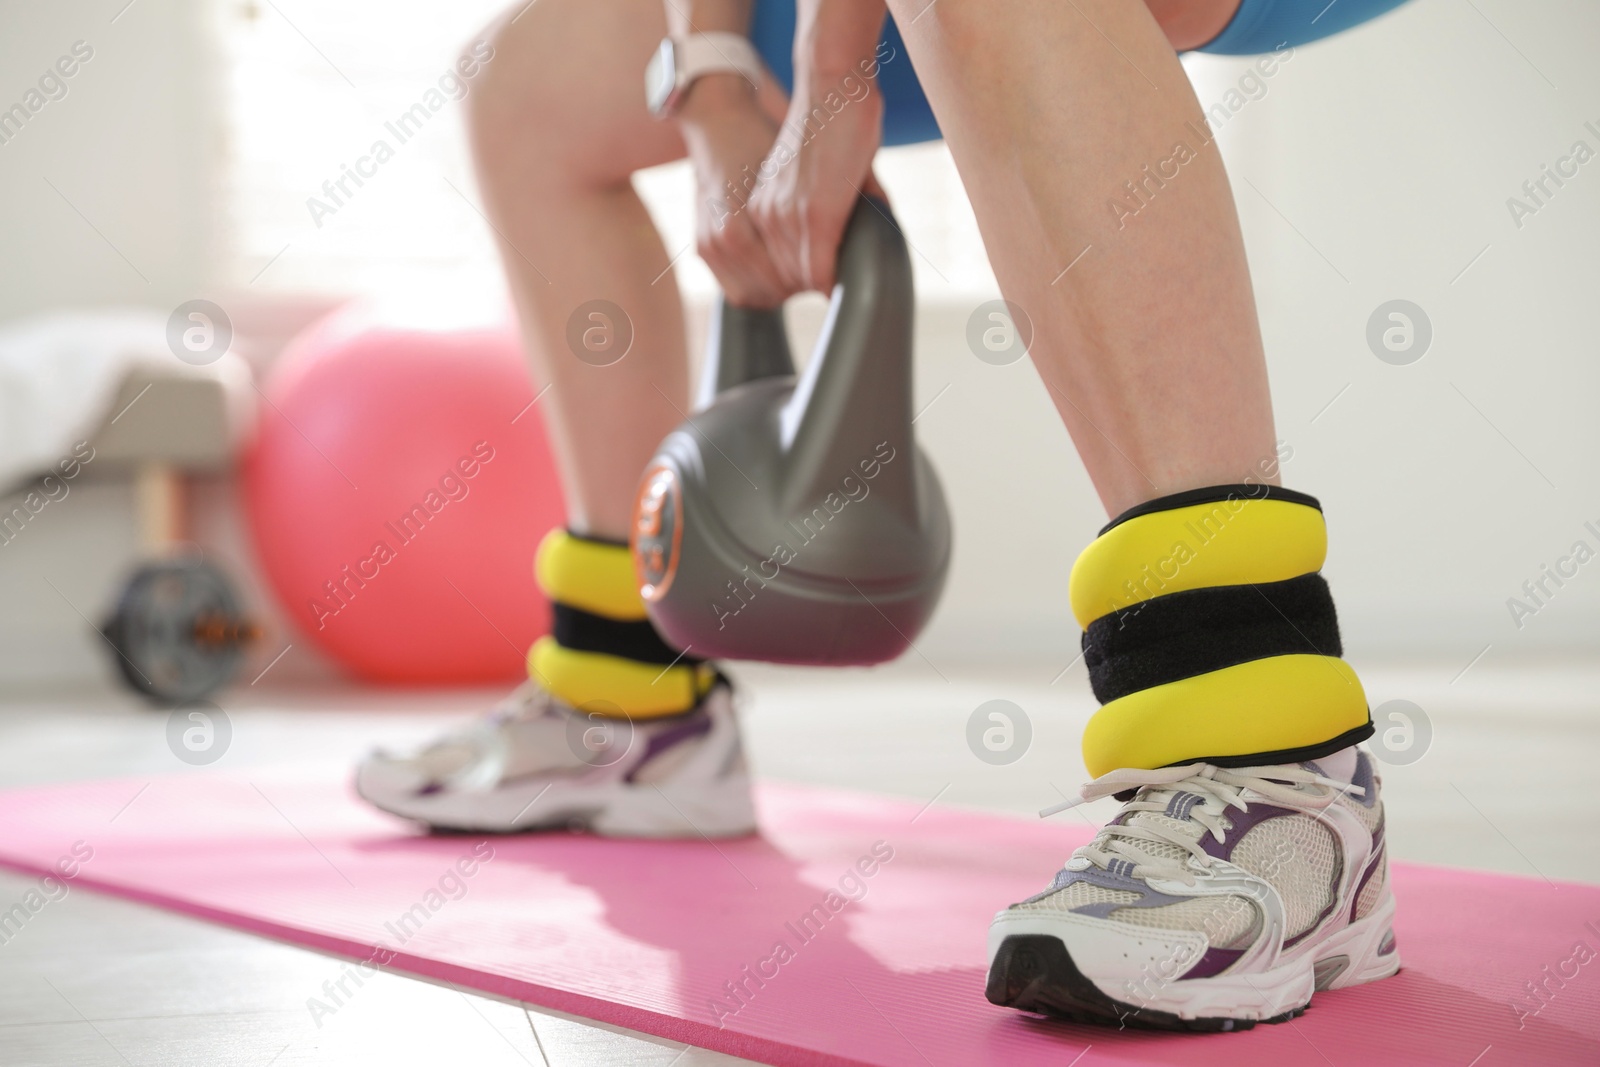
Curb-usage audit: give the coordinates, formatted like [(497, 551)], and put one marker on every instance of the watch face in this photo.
[(661, 77)]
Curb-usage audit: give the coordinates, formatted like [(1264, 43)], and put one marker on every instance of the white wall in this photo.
[(129, 150), (106, 200), (1393, 151)]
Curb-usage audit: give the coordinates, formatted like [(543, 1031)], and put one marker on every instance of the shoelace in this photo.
[(477, 753), (527, 700), (1221, 789)]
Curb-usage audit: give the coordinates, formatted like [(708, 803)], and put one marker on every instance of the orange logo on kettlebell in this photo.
[(656, 531)]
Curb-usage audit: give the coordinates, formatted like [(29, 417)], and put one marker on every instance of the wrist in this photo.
[(825, 62), (834, 43), (850, 94), (841, 73), (715, 94)]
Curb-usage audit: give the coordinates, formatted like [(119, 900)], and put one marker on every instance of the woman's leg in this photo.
[(1210, 635), (559, 125), (1129, 263)]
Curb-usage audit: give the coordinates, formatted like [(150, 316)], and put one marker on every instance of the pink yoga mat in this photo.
[(682, 939)]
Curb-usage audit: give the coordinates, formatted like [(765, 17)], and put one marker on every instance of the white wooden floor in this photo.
[(1506, 784)]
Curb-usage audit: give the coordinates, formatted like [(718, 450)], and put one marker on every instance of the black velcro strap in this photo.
[(1280, 756), (1294, 755), (1180, 635), (585, 631), (1212, 494)]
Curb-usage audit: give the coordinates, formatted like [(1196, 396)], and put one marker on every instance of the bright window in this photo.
[(313, 88)]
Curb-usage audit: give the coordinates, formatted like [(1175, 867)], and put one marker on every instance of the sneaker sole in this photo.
[(722, 809), (1035, 972)]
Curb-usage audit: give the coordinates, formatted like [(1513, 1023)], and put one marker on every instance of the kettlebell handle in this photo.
[(744, 343), (854, 400), (853, 403)]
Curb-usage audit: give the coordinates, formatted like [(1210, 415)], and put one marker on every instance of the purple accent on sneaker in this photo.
[(1333, 902), (693, 725), (1107, 879), (1365, 779), (1388, 944), (1374, 863), (1243, 823), (1361, 885), (430, 788), (1316, 924), (1213, 963), (1182, 804)]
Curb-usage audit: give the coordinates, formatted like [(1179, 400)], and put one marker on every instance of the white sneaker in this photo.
[(535, 763), (1214, 900)]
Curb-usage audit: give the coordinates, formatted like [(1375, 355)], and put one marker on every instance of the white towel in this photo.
[(60, 372)]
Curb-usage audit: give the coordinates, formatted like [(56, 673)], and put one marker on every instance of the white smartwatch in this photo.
[(679, 61)]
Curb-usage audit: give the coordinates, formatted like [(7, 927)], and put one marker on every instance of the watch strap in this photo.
[(716, 52)]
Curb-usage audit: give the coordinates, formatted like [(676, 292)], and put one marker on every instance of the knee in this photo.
[(1191, 23), (1186, 23)]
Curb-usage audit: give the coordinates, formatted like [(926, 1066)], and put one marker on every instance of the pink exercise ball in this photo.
[(397, 486)]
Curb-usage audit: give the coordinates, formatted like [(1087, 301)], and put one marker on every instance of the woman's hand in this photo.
[(772, 202), (819, 166), (728, 129)]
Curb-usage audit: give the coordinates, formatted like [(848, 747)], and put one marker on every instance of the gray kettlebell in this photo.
[(795, 520)]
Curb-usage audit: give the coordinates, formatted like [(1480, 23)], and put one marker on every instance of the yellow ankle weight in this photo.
[(594, 576), (1210, 634), (603, 655)]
